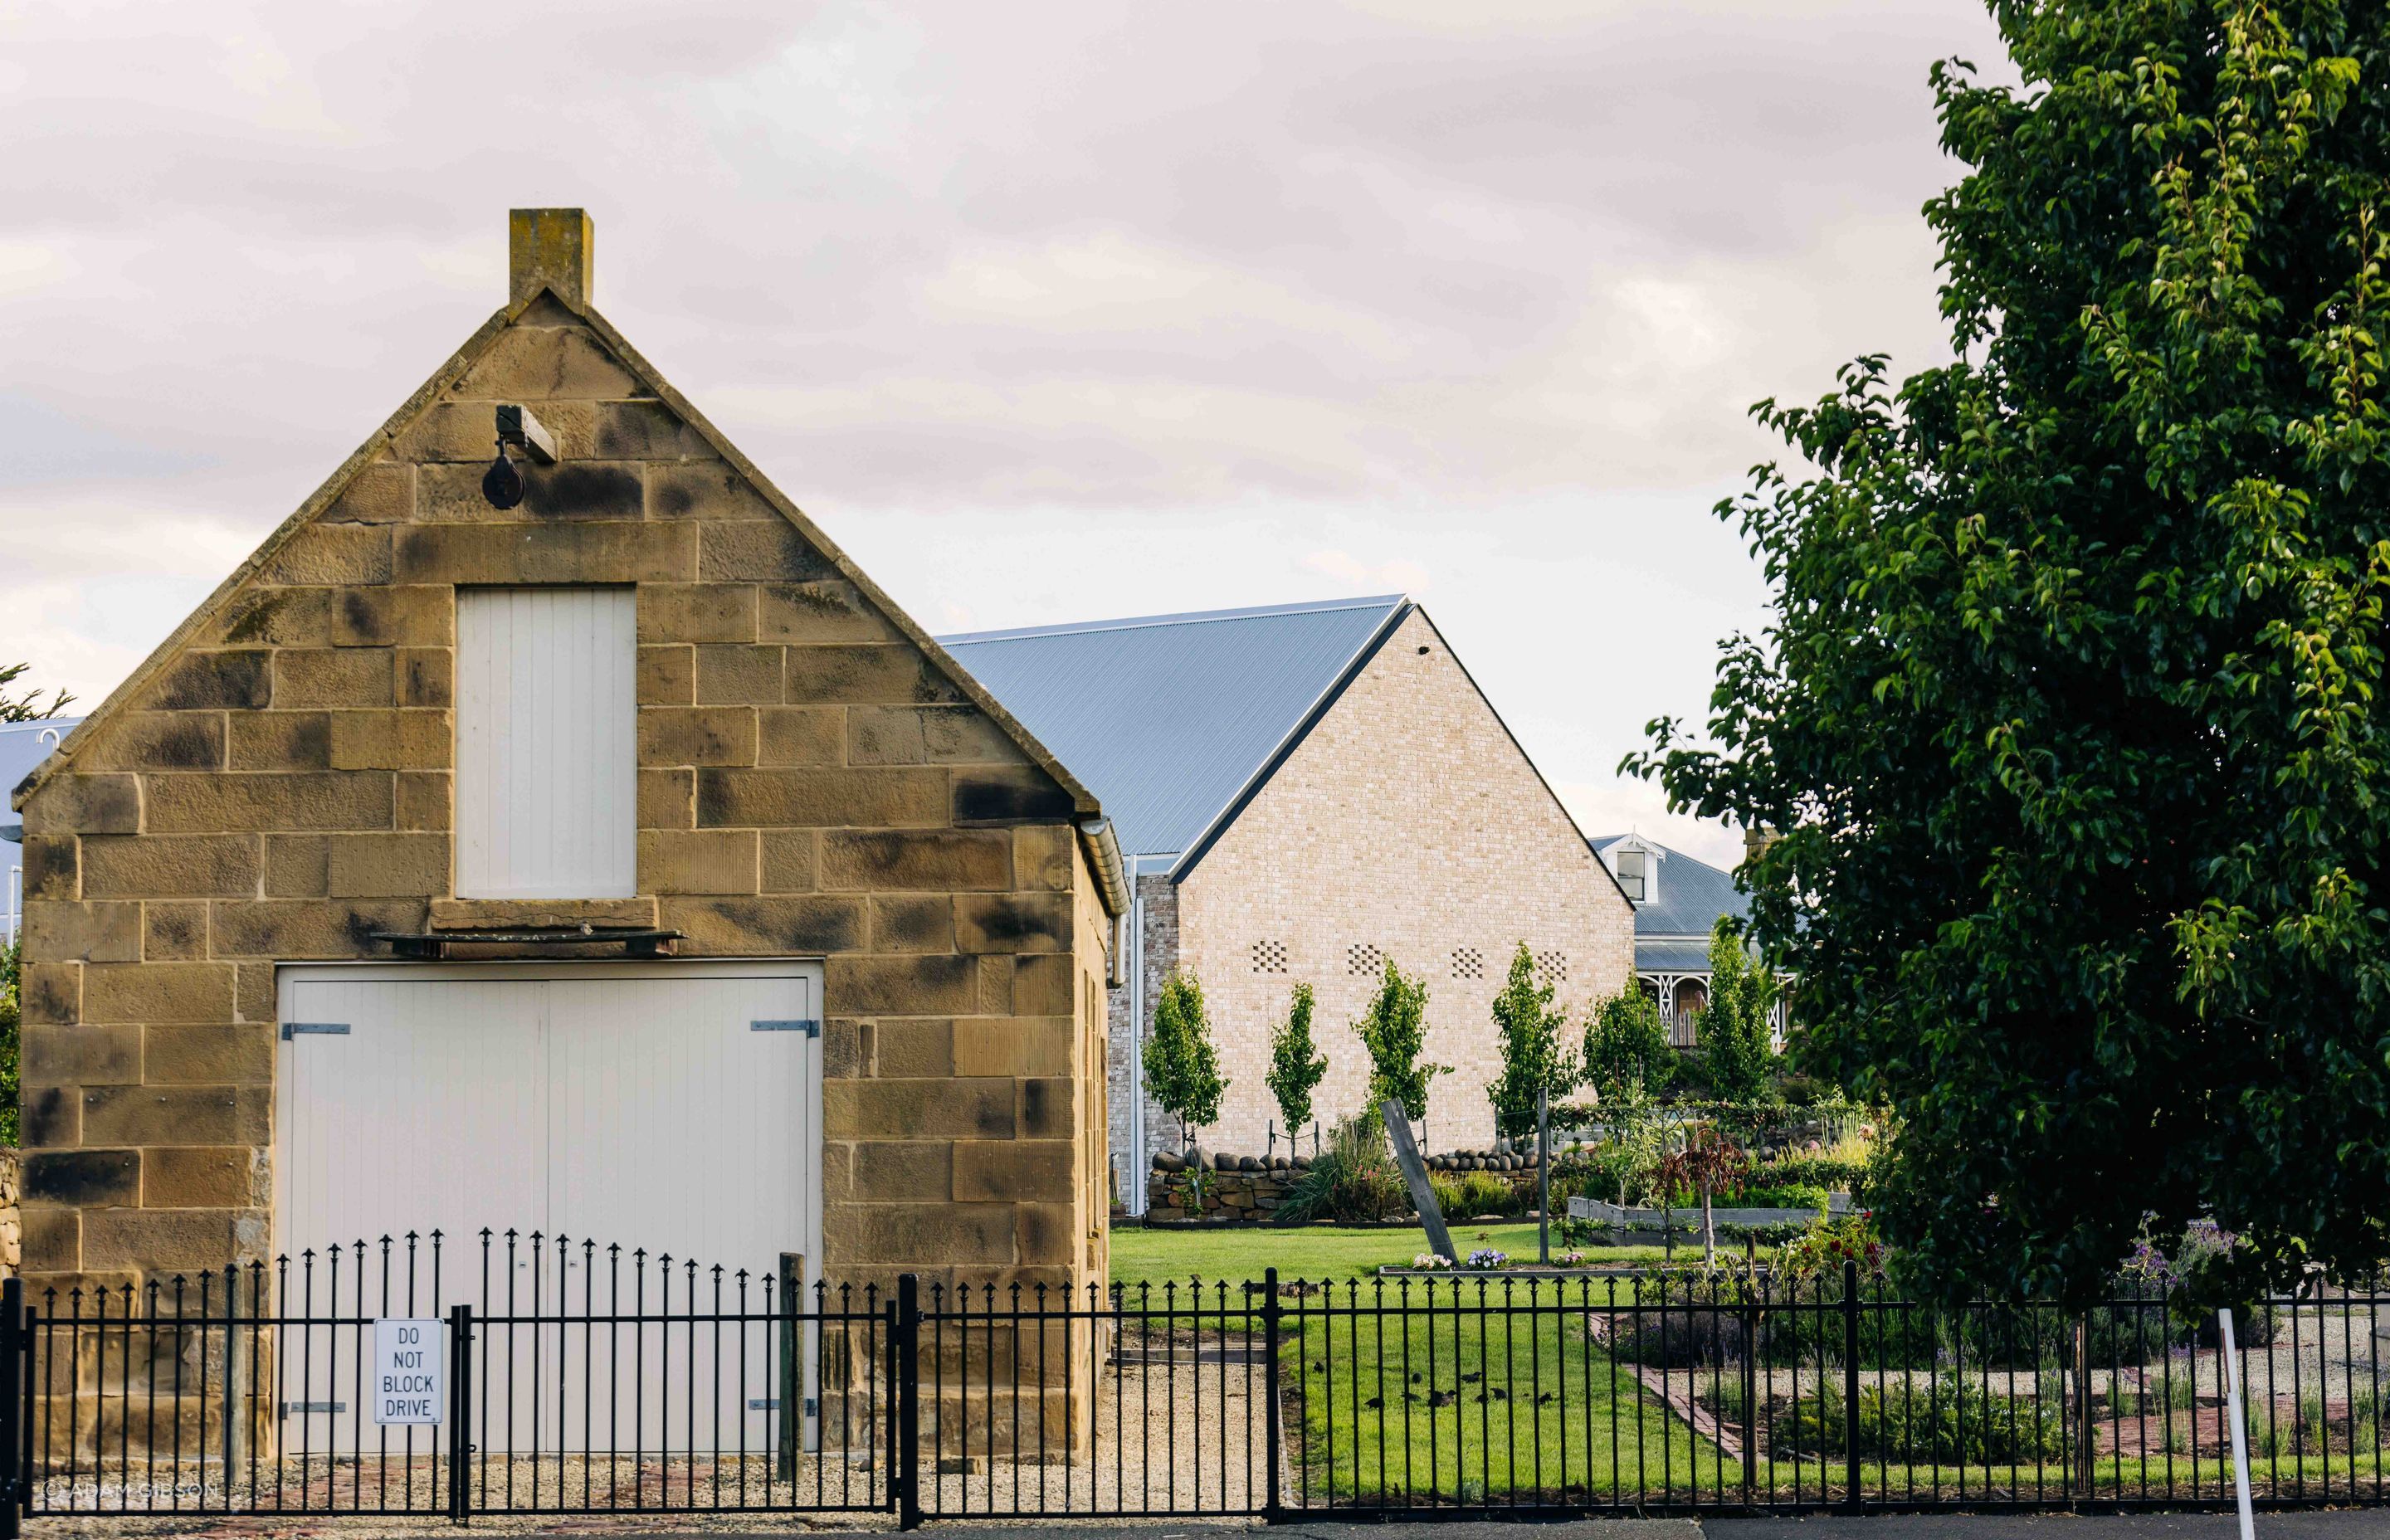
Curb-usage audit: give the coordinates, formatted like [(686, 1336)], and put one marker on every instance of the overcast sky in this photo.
[(1045, 312)]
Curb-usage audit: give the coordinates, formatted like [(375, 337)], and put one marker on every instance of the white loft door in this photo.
[(546, 757)]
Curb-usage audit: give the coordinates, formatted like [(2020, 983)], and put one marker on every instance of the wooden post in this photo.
[(1406, 1155)]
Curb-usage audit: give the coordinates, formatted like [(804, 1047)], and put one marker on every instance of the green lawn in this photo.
[(1314, 1252)]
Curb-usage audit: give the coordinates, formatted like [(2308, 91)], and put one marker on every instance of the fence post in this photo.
[(906, 1480), (1851, 1383), (1750, 1369), (12, 1404), (2082, 1428), (460, 1400), (1272, 1509)]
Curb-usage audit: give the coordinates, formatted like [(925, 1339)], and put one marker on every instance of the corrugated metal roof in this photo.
[(1166, 717), (1692, 892), (21, 748)]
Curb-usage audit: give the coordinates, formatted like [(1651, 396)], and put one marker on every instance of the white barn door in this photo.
[(638, 1112)]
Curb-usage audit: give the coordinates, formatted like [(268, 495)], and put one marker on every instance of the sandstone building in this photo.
[(622, 863), (1303, 791)]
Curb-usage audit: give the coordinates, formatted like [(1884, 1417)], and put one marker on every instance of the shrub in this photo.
[(1735, 1052), (1295, 1065), (1470, 1193), (1828, 1173), (1534, 1064), (1394, 1029), (1625, 1044), (1759, 1195), (1352, 1179), (1945, 1421), (1182, 1073)]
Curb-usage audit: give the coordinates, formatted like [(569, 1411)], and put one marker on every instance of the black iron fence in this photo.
[(564, 1377)]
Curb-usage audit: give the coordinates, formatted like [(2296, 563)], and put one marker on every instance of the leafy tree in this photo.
[(1182, 1073), (27, 707), (1708, 1162), (1626, 1045), (9, 960), (1534, 1061), (1295, 1065), (2072, 713), (1394, 1029), (1735, 1047)]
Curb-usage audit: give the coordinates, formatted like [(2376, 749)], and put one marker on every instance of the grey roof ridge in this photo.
[(1148, 622)]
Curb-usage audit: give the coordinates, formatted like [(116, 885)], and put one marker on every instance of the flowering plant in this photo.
[(1572, 1259), (1487, 1257), (1431, 1261)]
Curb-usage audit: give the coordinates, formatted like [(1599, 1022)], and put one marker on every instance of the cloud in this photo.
[(1397, 576)]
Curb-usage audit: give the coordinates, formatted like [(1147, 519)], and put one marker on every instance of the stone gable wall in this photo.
[(1409, 824), (809, 784)]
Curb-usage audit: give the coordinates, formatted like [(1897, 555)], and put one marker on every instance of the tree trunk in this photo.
[(1709, 1231)]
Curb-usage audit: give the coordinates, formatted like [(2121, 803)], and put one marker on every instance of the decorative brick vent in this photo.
[(1467, 963), (1552, 967), (1270, 956), (1363, 960)]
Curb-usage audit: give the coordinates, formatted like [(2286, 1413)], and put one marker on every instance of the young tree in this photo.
[(1182, 1073), (1626, 1044), (2073, 711), (1394, 1029), (27, 707), (1735, 1047), (1707, 1162), (1533, 1062), (1295, 1065)]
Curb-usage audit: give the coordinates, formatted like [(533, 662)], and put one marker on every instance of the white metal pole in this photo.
[(2232, 1413)]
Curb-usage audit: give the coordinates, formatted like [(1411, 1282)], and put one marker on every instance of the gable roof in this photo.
[(21, 748), (1693, 894), (428, 396), (1174, 717)]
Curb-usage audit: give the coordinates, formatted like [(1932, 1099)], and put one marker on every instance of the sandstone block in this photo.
[(220, 1176), (827, 611), (1023, 1046), (291, 929), (50, 865), (173, 931), (765, 551), (547, 553), (1013, 922), (151, 865), (1018, 794), (991, 985), (83, 1055), (84, 1178), (1045, 858), (697, 612), (730, 673), (1042, 985), (917, 1109), (83, 932), (667, 799), (413, 615), (846, 1051), (391, 740), (157, 992), (801, 735), (50, 993), (177, 1115), (383, 492), (735, 926), (161, 740), (1043, 1233), (214, 681), (426, 675), (1047, 1108), (209, 805), (913, 1047), (215, 1055), (912, 922), (697, 735), (645, 430), (187, 1240), (297, 866), (667, 676), (706, 489), (926, 734), (52, 1240), (864, 674), (941, 1234), (589, 491), (335, 677), (423, 799), (895, 1171), (452, 434), (790, 860), (926, 985), (329, 553), (673, 861), (917, 860), (281, 741), (482, 914), (387, 865), (823, 797), (70, 803), (254, 992), (540, 363), (1011, 1171)]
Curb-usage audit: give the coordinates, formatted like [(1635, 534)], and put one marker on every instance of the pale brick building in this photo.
[(1302, 792), (623, 862)]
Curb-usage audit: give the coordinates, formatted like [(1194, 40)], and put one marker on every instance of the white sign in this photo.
[(410, 1371)]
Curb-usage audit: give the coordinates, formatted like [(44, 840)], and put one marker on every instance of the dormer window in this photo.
[(1636, 863), (1631, 874)]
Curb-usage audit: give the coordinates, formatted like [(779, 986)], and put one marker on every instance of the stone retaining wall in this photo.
[(1252, 1187)]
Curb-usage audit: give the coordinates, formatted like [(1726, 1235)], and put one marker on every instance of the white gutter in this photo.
[(1139, 1157)]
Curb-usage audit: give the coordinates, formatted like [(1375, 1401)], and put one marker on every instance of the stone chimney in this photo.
[(549, 249)]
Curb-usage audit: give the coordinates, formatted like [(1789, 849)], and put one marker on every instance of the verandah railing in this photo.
[(586, 1380)]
